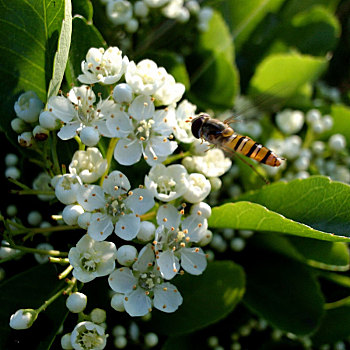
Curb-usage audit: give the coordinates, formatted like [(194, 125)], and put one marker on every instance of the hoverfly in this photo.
[(220, 134)]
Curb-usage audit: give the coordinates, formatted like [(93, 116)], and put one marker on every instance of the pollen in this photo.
[(126, 298), (93, 195), (123, 227), (164, 306), (147, 292), (142, 138), (118, 128), (155, 158), (130, 193), (165, 139), (154, 242), (172, 228), (185, 231), (199, 212), (175, 270), (140, 198), (165, 120), (195, 266), (182, 212), (199, 225), (125, 146), (134, 286), (140, 186), (145, 104), (101, 233), (165, 219), (98, 219), (116, 188), (165, 289), (120, 175)]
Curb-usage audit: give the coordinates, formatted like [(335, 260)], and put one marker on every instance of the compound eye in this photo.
[(196, 126)]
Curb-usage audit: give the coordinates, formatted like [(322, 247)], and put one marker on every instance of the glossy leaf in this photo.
[(284, 292), (317, 201), (30, 289), (29, 33), (61, 56), (206, 299), (83, 8)]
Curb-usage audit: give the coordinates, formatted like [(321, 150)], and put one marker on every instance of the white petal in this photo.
[(140, 201), (193, 260), (122, 280), (128, 152), (62, 108), (68, 131), (127, 227), (196, 227), (116, 183), (168, 216), (167, 298), (119, 125), (142, 108), (162, 146), (137, 303), (145, 259), (168, 264), (91, 197), (100, 227)]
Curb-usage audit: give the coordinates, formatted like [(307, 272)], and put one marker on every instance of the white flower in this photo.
[(66, 187), (170, 92), (91, 259), (173, 242), (119, 11), (212, 164), (145, 78), (114, 207), (80, 116), (291, 147), (48, 120), (105, 67), (167, 183), (198, 189), (23, 318), (76, 302), (155, 3), (71, 213), (28, 107), (149, 135), (143, 286), (182, 129), (290, 121), (89, 165), (88, 336)]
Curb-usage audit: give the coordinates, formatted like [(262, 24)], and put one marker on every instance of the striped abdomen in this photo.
[(249, 148)]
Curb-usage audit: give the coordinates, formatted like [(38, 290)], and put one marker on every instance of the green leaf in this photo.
[(30, 289), (341, 121), (335, 327), (29, 33), (206, 299), (214, 82), (284, 292), (83, 8), (62, 52), (84, 37), (317, 201), (281, 75), (243, 16)]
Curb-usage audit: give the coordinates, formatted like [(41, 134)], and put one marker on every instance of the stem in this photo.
[(148, 216), (45, 229), (338, 303), (11, 257), (19, 184), (56, 164), (32, 192), (65, 273), (309, 137), (61, 261), (80, 144), (64, 290), (112, 143), (176, 157)]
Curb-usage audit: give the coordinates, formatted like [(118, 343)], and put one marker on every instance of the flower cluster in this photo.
[(132, 15)]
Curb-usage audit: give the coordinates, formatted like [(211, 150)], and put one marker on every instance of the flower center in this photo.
[(148, 280), (143, 130), (90, 261), (90, 340), (165, 184), (116, 206)]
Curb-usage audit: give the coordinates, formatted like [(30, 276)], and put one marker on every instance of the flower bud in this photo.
[(337, 142), (237, 244), (313, 115), (28, 107), (26, 139), (76, 302), (71, 213), (48, 120), (126, 255), (18, 125), (202, 209), (120, 342), (206, 239), (34, 218), (98, 315), (12, 172), (84, 220), (89, 136), (11, 159), (40, 133), (123, 93), (66, 343), (146, 232), (151, 340), (289, 121), (198, 189), (193, 6), (215, 183), (23, 318), (327, 122), (132, 25), (118, 330), (140, 9), (117, 302), (66, 188), (11, 210)]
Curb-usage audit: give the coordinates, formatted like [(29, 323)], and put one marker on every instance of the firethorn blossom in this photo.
[(89, 165), (290, 121), (91, 259), (119, 11), (150, 133), (114, 207), (170, 92), (167, 183), (76, 302), (173, 242), (198, 189), (88, 336), (28, 107), (182, 130), (80, 116), (66, 187), (23, 318), (103, 66), (143, 287)]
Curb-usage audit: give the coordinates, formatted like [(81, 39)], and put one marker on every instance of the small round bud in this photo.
[(71, 213), (206, 239), (48, 121), (23, 318), (237, 244), (120, 342), (184, 15), (313, 115), (40, 134), (337, 142), (34, 218), (98, 315), (203, 208), (118, 330), (84, 220), (215, 183), (318, 127), (199, 188), (318, 147), (26, 139), (228, 233), (246, 233), (89, 136), (11, 210), (12, 172), (28, 107), (302, 175), (151, 340), (289, 121), (126, 255), (117, 302), (132, 25), (218, 243), (193, 6), (302, 163), (76, 302), (327, 122), (140, 9), (213, 341), (123, 93), (18, 125), (134, 331), (42, 258), (146, 232), (11, 159), (66, 343)]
